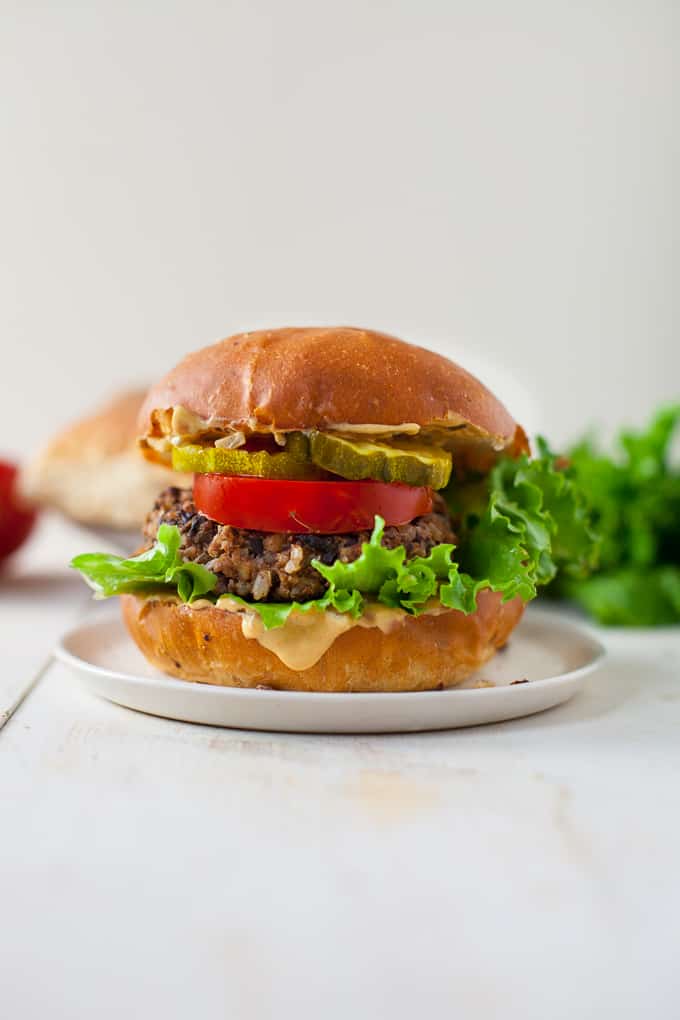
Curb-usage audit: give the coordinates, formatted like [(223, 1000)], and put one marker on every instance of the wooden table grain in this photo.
[(157, 869)]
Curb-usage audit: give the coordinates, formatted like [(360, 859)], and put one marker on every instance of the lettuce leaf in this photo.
[(275, 614), (387, 575), (159, 568), (635, 500), (536, 521), (515, 528), (630, 596)]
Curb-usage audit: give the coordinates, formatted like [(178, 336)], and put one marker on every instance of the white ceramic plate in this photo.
[(552, 654)]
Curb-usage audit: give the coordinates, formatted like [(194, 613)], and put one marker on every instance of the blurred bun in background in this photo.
[(93, 472)]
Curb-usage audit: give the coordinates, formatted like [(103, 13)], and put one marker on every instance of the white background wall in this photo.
[(493, 179)]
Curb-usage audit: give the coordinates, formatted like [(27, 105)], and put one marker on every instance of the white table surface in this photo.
[(151, 868)]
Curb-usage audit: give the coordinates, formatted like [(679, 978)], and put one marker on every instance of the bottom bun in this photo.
[(421, 653)]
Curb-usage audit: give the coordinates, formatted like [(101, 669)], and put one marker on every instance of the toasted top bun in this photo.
[(92, 470), (339, 378)]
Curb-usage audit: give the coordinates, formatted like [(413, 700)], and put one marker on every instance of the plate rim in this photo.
[(598, 653)]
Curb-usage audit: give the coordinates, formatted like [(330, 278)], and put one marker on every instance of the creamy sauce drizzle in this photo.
[(302, 640), (406, 428), (186, 426), (306, 636)]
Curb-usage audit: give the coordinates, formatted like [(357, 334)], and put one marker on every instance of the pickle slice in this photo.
[(292, 462), (410, 463)]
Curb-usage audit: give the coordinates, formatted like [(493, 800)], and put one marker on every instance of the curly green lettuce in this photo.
[(635, 500), (516, 528), (157, 570)]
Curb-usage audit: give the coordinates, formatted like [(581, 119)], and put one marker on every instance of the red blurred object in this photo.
[(16, 518)]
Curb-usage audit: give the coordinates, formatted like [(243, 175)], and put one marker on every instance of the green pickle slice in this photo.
[(410, 463), (307, 457), (292, 462)]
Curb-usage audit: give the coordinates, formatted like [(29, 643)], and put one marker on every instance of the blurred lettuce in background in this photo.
[(635, 501)]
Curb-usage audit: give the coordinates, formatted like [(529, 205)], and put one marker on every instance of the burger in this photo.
[(364, 516), (91, 470)]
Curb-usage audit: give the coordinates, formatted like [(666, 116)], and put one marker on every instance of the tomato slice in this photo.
[(325, 508)]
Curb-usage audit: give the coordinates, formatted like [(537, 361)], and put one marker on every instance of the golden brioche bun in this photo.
[(92, 471), (321, 377), (422, 653)]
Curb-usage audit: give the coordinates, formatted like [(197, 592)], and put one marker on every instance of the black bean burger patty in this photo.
[(273, 566)]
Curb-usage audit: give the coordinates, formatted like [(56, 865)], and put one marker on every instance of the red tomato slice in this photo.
[(16, 519), (325, 508)]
